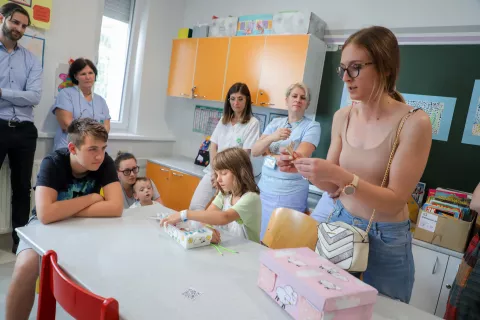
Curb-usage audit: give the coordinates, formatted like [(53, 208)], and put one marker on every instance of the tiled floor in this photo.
[(7, 261)]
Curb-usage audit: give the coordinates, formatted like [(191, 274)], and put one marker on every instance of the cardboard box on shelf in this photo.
[(444, 231)]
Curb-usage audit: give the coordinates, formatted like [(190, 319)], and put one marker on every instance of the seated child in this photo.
[(143, 193), (237, 206)]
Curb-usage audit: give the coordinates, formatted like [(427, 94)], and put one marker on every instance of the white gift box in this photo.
[(298, 22), (223, 27), (189, 234)]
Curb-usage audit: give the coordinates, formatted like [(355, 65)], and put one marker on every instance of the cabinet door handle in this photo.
[(184, 94), (448, 286), (199, 97), (177, 175), (164, 170), (435, 266), (266, 104)]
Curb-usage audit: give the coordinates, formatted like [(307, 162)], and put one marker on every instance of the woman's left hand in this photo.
[(173, 219)]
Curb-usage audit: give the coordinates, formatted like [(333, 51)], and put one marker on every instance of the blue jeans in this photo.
[(296, 201), (390, 269)]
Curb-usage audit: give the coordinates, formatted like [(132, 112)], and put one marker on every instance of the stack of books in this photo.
[(449, 203)]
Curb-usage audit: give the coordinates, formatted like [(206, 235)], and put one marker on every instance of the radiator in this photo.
[(6, 194)]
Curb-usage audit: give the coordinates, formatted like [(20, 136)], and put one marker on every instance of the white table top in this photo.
[(134, 261)]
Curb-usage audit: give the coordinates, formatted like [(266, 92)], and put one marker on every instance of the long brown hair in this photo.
[(382, 46), (238, 162), (228, 113)]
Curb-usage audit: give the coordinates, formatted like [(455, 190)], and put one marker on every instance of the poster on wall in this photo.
[(471, 133), (39, 11), (35, 45), (439, 109)]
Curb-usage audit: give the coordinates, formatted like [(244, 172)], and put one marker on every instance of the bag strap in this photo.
[(389, 164), (392, 153)]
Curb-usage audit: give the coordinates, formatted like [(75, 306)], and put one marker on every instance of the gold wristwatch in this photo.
[(350, 189)]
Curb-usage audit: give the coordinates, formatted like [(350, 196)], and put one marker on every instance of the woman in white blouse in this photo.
[(237, 128)]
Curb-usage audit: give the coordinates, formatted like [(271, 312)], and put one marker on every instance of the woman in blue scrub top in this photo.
[(79, 101), (280, 189)]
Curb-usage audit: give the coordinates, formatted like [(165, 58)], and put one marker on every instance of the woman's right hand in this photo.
[(281, 134)]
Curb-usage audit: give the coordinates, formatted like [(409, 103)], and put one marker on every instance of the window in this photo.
[(113, 55)]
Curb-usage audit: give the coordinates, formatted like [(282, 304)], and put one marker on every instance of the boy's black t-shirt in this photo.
[(56, 173)]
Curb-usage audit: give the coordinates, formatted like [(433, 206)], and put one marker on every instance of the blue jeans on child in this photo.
[(390, 269)]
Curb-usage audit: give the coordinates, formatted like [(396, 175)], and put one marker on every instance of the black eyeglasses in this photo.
[(353, 70), (128, 172)]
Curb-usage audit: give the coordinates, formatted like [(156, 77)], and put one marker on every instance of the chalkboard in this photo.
[(436, 70)]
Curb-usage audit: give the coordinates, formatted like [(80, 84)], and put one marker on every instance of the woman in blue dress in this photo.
[(79, 101)]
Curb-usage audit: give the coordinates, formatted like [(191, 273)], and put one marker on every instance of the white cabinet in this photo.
[(450, 274), (430, 269)]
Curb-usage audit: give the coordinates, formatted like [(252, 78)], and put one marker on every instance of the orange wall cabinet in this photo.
[(176, 188), (209, 77), (245, 63), (267, 64), (182, 66)]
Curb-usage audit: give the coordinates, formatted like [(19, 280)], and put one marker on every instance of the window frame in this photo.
[(122, 125)]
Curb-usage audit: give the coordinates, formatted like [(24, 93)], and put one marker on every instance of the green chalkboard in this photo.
[(436, 70)]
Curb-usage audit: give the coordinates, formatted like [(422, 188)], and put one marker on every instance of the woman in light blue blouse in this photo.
[(79, 101), (280, 189)]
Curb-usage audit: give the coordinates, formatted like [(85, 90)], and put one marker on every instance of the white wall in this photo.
[(348, 14)]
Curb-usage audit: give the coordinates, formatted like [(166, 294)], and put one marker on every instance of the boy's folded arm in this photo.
[(49, 209), (112, 206)]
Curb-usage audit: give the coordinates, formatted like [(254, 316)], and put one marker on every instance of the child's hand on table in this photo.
[(174, 218)]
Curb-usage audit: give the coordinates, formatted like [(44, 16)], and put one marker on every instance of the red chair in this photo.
[(55, 286)]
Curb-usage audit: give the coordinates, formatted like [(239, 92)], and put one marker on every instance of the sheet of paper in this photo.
[(428, 221)]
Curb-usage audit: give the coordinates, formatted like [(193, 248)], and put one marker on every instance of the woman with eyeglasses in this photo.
[(280, 189), (79, 101), (363, 136), (237, 128), (127, 171)]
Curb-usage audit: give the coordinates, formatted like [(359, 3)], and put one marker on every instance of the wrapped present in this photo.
[(254, 24), (223, 27), (298, 22), (308, 286), (190, 234)]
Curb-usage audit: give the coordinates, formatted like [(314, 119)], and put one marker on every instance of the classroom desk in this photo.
[(134, 261)]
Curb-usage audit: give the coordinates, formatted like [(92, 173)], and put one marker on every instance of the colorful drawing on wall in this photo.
[(39, 11), (440, 110), (262, 118), (254, 25), (62, 80), (35, 45), (471, 133)]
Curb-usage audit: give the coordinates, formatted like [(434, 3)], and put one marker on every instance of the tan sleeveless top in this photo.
[(369, 165)]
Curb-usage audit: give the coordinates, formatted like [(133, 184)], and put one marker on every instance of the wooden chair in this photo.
[(289, 228), (56, 286)]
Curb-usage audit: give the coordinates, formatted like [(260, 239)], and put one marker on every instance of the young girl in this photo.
[(237, 207), (143, 193), (237, 128)]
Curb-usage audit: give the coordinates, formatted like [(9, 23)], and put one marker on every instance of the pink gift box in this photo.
[(308, 286)]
